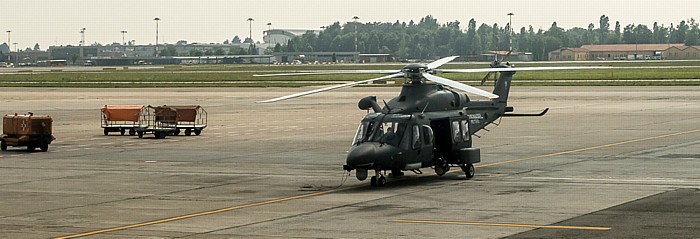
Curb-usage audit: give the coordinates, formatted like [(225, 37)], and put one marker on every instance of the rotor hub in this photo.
[(414, 72)]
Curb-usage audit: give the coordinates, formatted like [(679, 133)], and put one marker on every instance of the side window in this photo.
[(465, 130), (360, 134), (427, 135), (456, 133), (416, 137)]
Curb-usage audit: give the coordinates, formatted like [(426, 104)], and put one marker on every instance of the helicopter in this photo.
[(428, 125)]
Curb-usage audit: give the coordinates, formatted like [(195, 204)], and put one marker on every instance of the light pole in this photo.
[(269, 39), (250, 35), (510, 34), (123, 41), (157, 20), (8, 46), (82, 43), (355, 20)]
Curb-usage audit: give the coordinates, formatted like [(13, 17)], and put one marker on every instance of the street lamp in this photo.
[(269, 39), (8, 38), (355, 20), (510, 34), (250, 27), (123, 41), (157, 20), (82, 43)]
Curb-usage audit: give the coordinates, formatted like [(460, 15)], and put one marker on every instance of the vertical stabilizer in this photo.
[(502, 86)]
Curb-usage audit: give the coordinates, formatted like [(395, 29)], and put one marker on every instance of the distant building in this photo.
[(282, 36), (614, 52), (286, 57), (682, 53)]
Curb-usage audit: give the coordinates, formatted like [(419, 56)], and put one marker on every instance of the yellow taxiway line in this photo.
[(195, 215), (330, 191), (490, 224)]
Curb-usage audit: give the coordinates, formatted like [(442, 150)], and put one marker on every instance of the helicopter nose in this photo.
[(369, 154)]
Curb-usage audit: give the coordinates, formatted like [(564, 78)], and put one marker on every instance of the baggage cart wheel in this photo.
[(188, 132), (140, 134), (132, 132), (44, 147), (106, 131), (160, 134), (177, 132), (122, 131), (3, 145), (197, 131)]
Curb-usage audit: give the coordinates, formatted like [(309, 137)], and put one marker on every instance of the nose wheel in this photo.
[(468, 170), (378, 180)]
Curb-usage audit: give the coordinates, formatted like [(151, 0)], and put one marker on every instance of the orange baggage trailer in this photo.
[(26, 130), (120, 118), (190, 118)]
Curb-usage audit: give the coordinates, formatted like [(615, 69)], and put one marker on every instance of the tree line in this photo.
[(428, 39)]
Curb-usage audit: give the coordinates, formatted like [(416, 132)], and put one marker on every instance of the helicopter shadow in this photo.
[(409, 181)]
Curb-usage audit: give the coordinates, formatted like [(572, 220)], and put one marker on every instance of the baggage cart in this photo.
[(159, 120), (120, 118), (26, 130), (190, 119)]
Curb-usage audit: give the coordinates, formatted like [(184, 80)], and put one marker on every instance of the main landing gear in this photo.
[(378, 180)]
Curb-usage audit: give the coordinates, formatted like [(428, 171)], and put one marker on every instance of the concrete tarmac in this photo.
[(602, 163)]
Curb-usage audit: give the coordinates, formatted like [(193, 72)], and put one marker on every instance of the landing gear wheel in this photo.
[(122, 131), (132, 132), (188, 132), (373, 181), (442, 169), (140, 133), (197, 131), (381, 182), (3, 145), (106, 131), (468, 170)]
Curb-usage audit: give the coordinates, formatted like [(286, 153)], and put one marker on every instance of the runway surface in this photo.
[(619, 162)]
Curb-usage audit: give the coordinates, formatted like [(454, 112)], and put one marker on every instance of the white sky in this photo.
[(58, 22)]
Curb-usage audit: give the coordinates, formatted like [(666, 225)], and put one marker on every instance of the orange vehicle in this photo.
[(26, 130), (120, 118)]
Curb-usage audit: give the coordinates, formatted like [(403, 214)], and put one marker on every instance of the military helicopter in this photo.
[(427, 124)]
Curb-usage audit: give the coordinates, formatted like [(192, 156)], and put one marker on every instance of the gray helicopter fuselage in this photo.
[(425, 125)]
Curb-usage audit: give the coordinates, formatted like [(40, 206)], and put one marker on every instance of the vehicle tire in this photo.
[(122, 131), (440, 170), (197, 131), (140, 133), (468, 170), (44, 147), (106, 131), (3, 145), (31, 148), (177, 132), (132, 132), (188, 132)]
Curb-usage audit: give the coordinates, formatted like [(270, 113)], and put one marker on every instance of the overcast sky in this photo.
[(58, 22)]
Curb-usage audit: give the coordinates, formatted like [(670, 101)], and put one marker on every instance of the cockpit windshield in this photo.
[(387, 132)]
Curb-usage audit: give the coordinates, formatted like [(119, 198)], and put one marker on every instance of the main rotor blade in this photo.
[(457, 85), (330, 88), (440, 62), (329, 73), (546, 68)]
